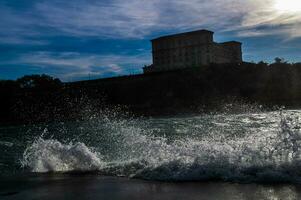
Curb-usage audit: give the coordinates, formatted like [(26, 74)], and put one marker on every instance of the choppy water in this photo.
[(249, 147)]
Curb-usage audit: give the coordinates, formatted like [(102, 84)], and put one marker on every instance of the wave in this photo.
[(51, 155), (265, 156)]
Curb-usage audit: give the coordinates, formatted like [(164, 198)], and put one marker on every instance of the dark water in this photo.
[(102, 187), (248, 147)]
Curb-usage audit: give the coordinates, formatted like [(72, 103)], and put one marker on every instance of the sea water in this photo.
[(237, 147)]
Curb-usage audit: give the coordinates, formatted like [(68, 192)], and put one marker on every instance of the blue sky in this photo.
[(78, 39)]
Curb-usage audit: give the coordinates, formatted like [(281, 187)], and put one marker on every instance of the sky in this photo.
[(88, 39)]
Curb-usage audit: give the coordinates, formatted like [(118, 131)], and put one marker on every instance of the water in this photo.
[(247, 147)]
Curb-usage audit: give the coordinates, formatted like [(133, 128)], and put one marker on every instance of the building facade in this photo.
[(191, 49)]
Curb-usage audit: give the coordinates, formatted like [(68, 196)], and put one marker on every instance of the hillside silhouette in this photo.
[(41, 98)]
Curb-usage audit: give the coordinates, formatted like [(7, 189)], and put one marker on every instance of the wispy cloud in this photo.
[(72, 65), (18, 27), (264, 18), (138, 18), (141, 18)]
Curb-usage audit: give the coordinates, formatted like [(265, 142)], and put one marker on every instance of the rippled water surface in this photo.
[(249, 147)]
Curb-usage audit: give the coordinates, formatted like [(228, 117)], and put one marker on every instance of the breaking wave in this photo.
[(51, 155), (267, 153)]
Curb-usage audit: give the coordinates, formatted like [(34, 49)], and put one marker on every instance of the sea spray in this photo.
[(53, 156), (245, 147)]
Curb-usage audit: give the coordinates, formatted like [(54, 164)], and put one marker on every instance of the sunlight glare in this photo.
[(288, 5)]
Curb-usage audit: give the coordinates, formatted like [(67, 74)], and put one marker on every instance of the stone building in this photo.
[(191, 49)]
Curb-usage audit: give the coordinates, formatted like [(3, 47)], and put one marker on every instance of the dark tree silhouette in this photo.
[(39, 81), (279, 60)]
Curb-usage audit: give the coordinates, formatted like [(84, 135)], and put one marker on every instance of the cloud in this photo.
[(72, 65), (139, 18), (112, 19), (143, 18), (264, 19), (18, 27)]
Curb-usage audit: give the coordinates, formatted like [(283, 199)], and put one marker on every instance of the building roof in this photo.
[(231, 42), (203, 31)]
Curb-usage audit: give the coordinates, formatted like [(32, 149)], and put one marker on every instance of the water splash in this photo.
[(270, 152), (53, 156)]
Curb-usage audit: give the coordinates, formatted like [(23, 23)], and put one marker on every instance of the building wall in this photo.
[(191, 50), (230, 53), (180, 51), (234, 48)]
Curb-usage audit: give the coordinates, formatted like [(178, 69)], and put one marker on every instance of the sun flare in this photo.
[(288, 5)]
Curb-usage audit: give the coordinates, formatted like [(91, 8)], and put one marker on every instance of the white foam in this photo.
[(51, 155), (261, 156)]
